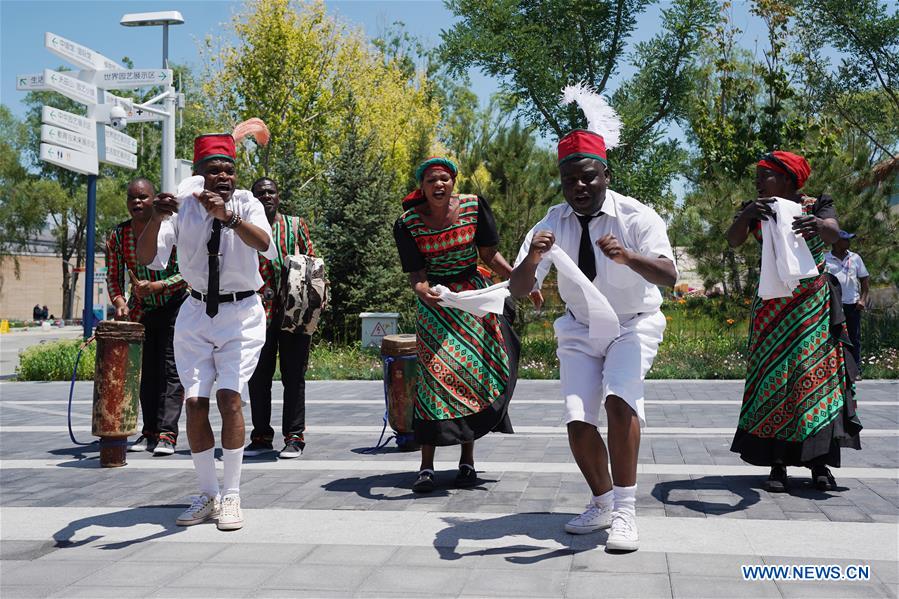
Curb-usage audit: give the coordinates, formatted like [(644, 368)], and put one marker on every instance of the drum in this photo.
[(304, 293), (400, 358), (116, 388)]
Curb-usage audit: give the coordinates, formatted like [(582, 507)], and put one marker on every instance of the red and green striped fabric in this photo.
[(796, 377), (121, 255), (463, 365)]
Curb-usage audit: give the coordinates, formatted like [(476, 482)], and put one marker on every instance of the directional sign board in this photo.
[(70, 121), (73, 160), (118, 156), (80, 91), (139, 115), (126, 103), (77, 54), (30, 82), (126, 79), (69, 139), (117, 139)]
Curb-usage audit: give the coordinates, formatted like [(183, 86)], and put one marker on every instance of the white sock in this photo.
[(233, 460), (625, 499), (604, 501), (204, 466)]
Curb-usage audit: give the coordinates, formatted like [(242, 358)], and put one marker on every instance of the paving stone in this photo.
[(202, 576), (521, 583), (611, 584), (320, 577), (599, 560), (701, 587), (385, 580), (832, 590)]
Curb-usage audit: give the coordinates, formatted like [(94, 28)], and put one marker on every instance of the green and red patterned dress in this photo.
[(798, 406), (467, 365)]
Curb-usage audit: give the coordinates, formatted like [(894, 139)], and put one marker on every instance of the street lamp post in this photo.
[(164, 18)]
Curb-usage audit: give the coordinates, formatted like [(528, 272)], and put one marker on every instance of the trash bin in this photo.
[(376, 326)]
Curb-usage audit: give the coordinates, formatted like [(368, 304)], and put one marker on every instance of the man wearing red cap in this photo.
[(634, 257), (220, 329)]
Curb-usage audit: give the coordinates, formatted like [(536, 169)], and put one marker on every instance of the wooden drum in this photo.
[(400, 357), (116, 388)]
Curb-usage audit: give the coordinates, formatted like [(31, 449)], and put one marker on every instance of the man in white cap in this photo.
[(634, 257)]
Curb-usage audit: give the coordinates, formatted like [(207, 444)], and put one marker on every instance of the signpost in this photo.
[(68, 120), (74, 89), (69, 139), (73, 160), (80, 143), (77, 54), (30, 82), (122, 79)]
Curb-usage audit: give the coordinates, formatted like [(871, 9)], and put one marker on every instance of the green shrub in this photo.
[(55, 360)]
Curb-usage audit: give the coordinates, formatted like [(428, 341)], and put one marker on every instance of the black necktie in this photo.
[(212, 289), (586, 258)]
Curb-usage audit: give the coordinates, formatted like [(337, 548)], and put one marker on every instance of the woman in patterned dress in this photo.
[(798, 406), (467, 365)]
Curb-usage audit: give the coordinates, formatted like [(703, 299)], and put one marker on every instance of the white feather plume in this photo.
[(601, 118)]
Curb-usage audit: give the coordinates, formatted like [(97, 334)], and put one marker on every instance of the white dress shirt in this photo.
[(847, 271), (636, 226), (190, 230)]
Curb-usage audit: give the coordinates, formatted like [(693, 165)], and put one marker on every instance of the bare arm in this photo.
[(738, 231), (863, 295), (523, 277), (495, 261), (421, 287)]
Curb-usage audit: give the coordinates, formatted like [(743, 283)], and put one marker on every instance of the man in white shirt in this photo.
[(220, 329), (850, 271), (634, 257)]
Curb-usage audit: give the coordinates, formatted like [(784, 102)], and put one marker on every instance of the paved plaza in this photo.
[(342, 523)]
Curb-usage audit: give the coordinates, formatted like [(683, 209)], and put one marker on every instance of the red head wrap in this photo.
[(214, 145), (582, 144), (787, 163)]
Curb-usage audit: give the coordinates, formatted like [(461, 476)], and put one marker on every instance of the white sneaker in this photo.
[(593, 519), (230, 518), (202, 509), (623, 535)]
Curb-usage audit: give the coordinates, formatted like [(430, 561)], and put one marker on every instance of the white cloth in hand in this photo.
[(603, 319), (479, 302), (786, 258)]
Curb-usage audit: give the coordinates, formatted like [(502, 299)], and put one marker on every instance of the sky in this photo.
[(95, 24)]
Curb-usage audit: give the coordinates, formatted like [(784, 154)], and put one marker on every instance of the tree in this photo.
[(295, 67), (355, 233), (866, 33), (536, 48)]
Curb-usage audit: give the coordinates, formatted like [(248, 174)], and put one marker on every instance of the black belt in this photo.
[(224, 297)]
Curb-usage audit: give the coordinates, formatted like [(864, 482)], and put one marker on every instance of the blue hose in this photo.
[(72, 390)]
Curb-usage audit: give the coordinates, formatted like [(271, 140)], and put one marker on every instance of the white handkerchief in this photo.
[(603, 319), (786, 258), (188, 187), (476, 301)]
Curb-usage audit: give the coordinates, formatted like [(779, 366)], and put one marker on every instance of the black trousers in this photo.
[(854, 326), (161, 393), (294, 351)]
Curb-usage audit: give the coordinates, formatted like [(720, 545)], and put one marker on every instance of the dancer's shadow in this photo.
[(159, 515), (368, 486), (540, 526), (740, 486)]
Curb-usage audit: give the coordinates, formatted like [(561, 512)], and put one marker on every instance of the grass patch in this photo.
[(55, 360)]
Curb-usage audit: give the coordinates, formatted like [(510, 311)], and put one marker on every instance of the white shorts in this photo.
[(223, 349), (592, 369)]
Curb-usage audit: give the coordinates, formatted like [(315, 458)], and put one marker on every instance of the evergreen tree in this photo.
[(354, 231)]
